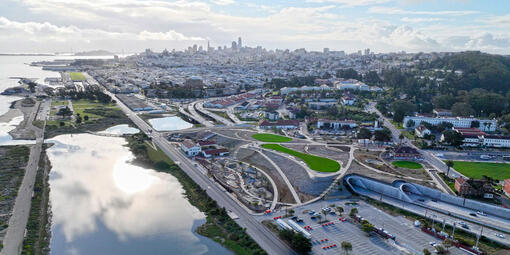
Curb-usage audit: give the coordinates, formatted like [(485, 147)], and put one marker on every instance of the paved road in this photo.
[(200, 107), (199, 120), (437, 217), (427, 156), (264, 237), (197, 116), (13, 240)]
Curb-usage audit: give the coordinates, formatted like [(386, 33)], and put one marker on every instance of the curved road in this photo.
[(263, 236)]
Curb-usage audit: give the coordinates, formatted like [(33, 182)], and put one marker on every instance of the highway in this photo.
[(263, 236), (200, 107), (196, 115), (199, 120)]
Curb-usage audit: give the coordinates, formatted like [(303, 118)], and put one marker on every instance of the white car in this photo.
[(499, 235), (481, 213), (326, 209), (432, 244)]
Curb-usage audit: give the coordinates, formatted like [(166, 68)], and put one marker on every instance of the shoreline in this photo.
[(10, 115)]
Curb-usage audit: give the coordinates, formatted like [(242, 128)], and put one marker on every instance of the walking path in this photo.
[(285, 179), (13, 241)]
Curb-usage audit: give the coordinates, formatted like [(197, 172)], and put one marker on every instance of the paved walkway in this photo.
[(15, 234), (285, 179)]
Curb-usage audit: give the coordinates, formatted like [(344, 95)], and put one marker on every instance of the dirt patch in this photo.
[(254, 158), (299, 178)]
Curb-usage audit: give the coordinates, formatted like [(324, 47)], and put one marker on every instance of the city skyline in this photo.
[(29, 26)]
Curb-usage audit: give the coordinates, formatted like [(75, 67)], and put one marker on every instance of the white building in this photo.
[(496, 141), (190, 148), (421, 131), (458, 122), (335, 124)]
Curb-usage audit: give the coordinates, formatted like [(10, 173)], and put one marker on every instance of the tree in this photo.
[(347, 74), (325, 214), (364, 133), (78, 119), (449, 164), (367, 228), (443, 101), (410, 123), (64, 112), (340, 210), (353, 212), (297, 241), (453, 138), (346, 247), (440, 249), (62, 123), (333, 111), (447, 243), (383, 135), (426, 251), (401, 108), (86, 117), (462, 109), (291, 212), (372, 78)]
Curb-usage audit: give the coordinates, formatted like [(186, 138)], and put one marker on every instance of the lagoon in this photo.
[(103, 204)]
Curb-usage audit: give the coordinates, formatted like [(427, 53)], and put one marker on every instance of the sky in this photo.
[(40, 26)]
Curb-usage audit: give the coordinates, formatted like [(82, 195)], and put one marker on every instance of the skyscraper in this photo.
[(234, 45), (239, 43)]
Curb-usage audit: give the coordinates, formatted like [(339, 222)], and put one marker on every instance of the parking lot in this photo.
[(409, 239)]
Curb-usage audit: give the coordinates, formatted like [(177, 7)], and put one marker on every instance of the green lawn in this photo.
[(271, 138), (77, 76), (314, 162), (407, 164), (475, 170), (79, 106), (158, 155)]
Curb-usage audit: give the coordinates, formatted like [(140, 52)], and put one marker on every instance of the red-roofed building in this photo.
[(215, 153), (206, 143), (506, 187), (473, 188)]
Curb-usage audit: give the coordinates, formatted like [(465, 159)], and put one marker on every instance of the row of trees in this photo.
[(383, 135), (89, 94)]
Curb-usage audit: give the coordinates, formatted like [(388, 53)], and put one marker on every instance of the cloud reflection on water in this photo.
[(93, 184)]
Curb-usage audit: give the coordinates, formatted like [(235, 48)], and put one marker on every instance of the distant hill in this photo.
[(480, 70), (94, 53)]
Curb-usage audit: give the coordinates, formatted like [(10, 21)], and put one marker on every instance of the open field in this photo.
[(476, 170), (77, 76), (271, 138), (407, 164), (99, 117), (314, 162)]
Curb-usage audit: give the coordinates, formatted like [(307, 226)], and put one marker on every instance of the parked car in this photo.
[(499, 235), (473, 214)]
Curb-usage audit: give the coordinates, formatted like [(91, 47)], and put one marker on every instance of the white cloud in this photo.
[(398, 11), (222, 2), (135, 24), (499, 21), (351, 2), (46, 35), (419, 20)]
